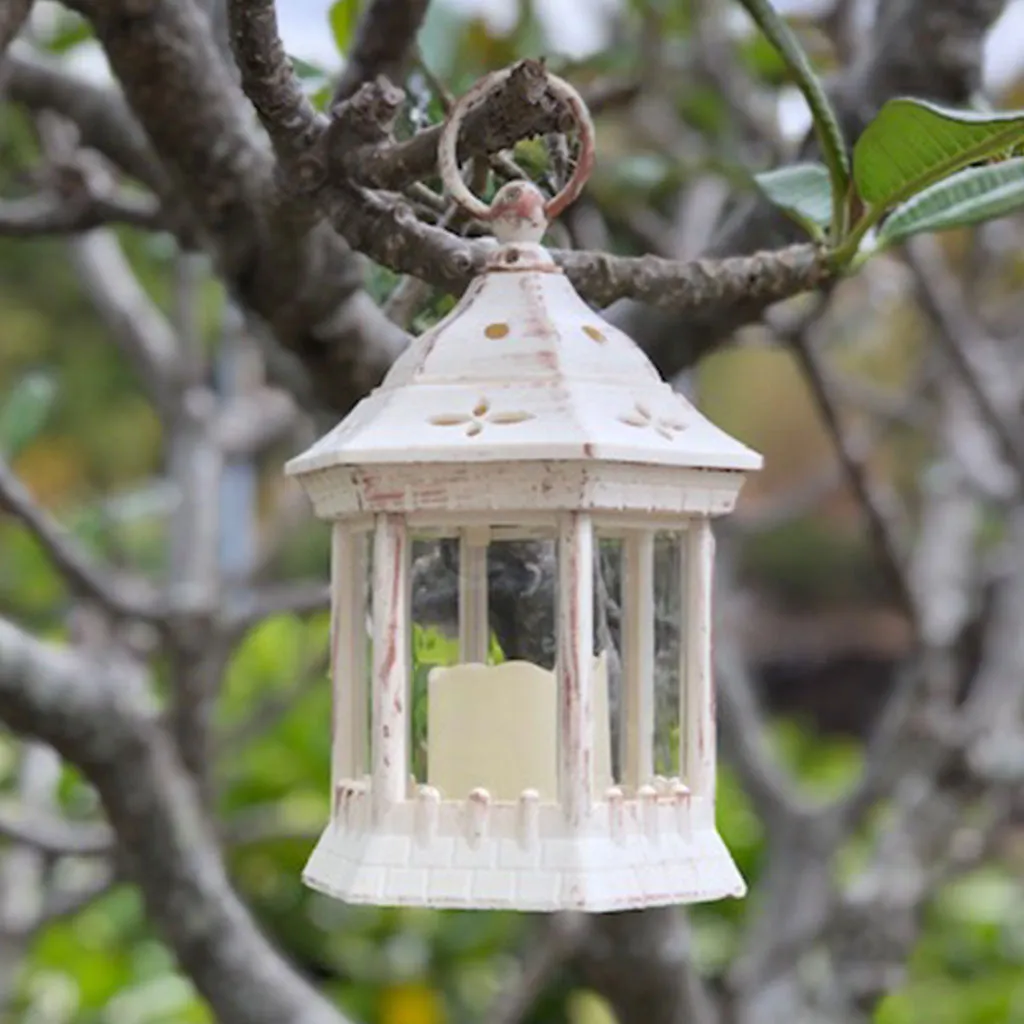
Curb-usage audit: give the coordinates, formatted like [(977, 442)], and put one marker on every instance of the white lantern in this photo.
[(522, 413)]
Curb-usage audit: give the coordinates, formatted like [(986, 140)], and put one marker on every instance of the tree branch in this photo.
[(62, 215), (269, 80), (12, 20), (357, 147), (939, 294), (96, 714), (133, 319), (54, 835), (277, 599), (561, 937), (384, 37), (103, 120), (927, 48), (387, 230), (883, 536), (299, 279), (123, 598), (774, 794), (642, 962)]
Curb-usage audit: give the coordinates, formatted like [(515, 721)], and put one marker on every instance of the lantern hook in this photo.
[(519, 212)]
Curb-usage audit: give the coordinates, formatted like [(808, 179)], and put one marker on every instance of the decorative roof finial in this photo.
[(519, 212)]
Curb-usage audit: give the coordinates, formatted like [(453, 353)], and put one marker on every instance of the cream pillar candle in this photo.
[(497, 727)]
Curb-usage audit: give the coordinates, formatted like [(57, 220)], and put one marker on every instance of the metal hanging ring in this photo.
[(448, 146)]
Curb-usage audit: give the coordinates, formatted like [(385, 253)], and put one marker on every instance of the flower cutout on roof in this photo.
[(480, 416), (640, 416)]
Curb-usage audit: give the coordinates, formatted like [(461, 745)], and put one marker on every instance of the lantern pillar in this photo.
[(391, 645), (474, 626), (638, 659), (696, 675), (348, 654), (575, 664)]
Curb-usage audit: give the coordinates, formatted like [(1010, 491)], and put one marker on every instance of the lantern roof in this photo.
[(522, 369)]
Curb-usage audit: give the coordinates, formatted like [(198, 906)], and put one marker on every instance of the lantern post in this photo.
[(523, 414)]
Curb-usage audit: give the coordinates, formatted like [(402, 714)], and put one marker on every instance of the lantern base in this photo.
[(621, 858)]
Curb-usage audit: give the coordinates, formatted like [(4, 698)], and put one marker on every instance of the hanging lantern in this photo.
[(496, 783)]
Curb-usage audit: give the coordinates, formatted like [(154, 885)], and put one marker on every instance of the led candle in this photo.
[(497, 727)]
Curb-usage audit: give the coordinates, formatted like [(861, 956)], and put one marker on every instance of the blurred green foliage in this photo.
[(78, 431)]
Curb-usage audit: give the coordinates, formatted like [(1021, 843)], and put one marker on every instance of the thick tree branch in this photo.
[(12, 19), (269, 80), (357, 147), (301, 280), (384, 37), (95, 713)]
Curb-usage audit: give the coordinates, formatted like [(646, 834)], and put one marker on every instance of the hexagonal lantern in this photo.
[(521, 414)]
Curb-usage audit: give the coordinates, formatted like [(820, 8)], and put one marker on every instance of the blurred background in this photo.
[(822, 633)]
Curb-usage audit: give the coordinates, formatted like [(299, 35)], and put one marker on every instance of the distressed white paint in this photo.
[(503, 491), (525, 414), (349, 758), (391, 643), (493, 726), (638, 658), (496, 726), (474, 628), (524, 854), (698, 692), (574, 664), (524, 370)]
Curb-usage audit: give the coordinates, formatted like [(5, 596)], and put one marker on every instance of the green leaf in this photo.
[(71, 32), (969, 197), (343, 16), (24, 413), (306, 71), (826, 123), (804, 191), (912, 144)]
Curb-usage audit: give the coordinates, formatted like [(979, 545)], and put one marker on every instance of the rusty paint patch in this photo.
[(448, 419), (511, 417)]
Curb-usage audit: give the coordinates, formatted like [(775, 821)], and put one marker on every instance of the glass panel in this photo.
[(435, 633), (669, 609), (483, 661), (609, 695)]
